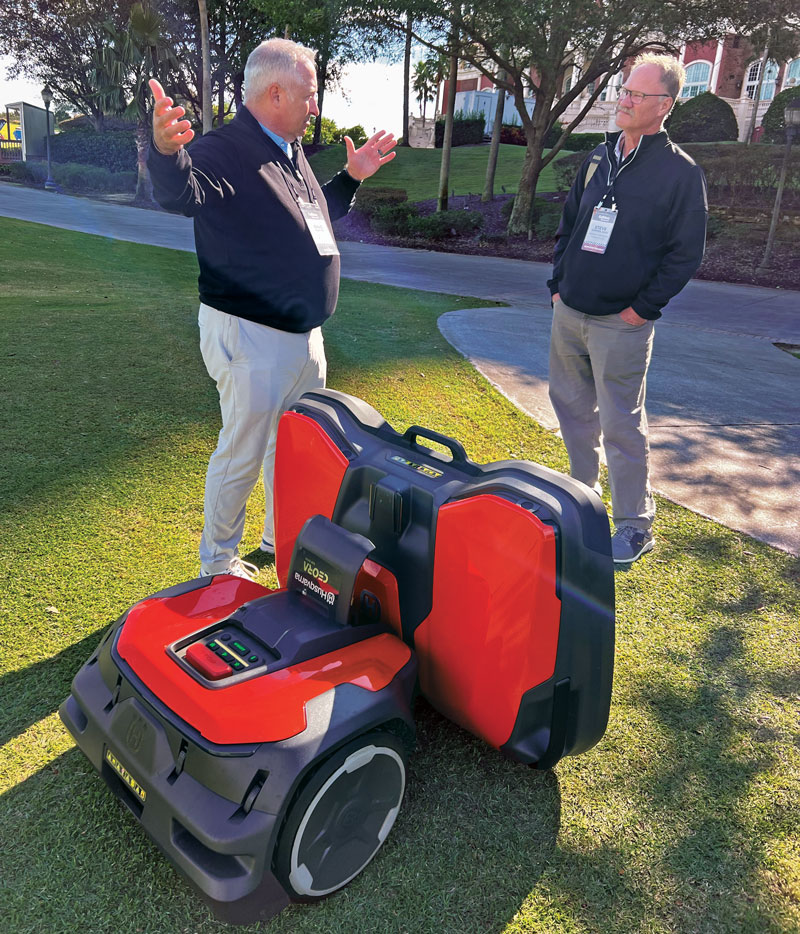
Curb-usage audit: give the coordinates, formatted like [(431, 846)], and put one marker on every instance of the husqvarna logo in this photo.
[(135, 734)]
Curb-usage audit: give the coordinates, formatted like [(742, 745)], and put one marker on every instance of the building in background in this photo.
[(725, 67)]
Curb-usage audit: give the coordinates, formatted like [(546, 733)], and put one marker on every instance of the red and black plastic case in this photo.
[(505, 577), (252, 732)]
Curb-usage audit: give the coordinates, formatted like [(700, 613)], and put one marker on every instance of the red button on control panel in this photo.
[(210, 666)]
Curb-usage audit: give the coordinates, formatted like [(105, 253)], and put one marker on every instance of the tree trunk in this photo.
[(754, 115), (322, 77), (494, 148), (208, 114), (144, 188), (521, 218), (444, 172), (238, 84), (406, 81)]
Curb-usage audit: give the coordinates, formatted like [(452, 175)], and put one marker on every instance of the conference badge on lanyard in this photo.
[(600, 227), (318, 228)]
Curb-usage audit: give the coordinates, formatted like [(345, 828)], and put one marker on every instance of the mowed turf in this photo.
[(418, 170), (684, 817)]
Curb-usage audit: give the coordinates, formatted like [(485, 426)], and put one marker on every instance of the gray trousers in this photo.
[(259, 372), (598, 376)]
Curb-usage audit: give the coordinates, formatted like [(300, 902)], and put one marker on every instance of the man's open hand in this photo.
[(365, 161), (170, 132)]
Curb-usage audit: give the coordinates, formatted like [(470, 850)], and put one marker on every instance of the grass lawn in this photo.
[(417, 170), (683, 819)]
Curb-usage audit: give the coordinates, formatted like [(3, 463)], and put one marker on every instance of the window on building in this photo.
[(768, 85), (792, 79), (697, 76)]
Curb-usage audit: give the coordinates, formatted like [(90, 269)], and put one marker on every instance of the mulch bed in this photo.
[(727, 259)]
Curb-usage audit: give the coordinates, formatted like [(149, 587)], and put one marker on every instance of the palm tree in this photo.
[(122, 69)]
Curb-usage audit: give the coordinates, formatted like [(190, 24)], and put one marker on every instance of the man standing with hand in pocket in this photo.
[(631, 236), (269, 269)]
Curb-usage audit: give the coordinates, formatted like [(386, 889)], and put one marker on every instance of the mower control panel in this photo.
[(222, 654)]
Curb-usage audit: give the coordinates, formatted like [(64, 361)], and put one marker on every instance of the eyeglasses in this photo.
[(637, 96)]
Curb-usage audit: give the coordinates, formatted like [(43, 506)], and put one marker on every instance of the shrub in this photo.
[(704, 119), (773, 121), (566, 168), (584, 142), (445, 224), (740, 174), (513, 134), (546, 216), (552, 135), (393, 219), (73, 177), (467, 129), (368, 200), (114, 150)]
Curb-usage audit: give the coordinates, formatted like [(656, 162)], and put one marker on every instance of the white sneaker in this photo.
[(237, 568), (267, 547)]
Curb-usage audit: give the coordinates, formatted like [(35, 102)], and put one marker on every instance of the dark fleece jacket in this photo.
[(257, 259), (658, 239)]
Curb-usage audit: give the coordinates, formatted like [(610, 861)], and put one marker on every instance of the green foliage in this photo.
[(393, 219), (327, 133), (773, 121), (704, 119), (468, 129), (552, 135), (445, 224), (584, 142), (114, 150), (740, 174), (576, 142), (546, 216), (512, 134), (369, 200), (566, 169), (356, 133), (85, 179)]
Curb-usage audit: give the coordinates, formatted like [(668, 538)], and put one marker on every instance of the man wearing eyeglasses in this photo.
[(631, 236)]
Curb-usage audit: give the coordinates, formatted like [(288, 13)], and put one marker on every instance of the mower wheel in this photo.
[(342, 816)]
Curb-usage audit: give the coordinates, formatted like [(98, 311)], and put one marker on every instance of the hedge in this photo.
[(576, 142), (368, 200), (468, 129), (114, 150), (73, 177), (773, 121), (735, 173), (444, 224), (705, 118)]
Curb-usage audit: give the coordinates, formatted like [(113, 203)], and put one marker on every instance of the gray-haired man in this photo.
[(631, 236), (269, 269)]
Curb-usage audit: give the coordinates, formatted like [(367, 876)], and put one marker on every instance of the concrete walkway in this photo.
[(723, 402)]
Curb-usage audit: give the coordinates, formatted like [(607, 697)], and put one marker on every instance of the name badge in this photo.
[(318, 228), (599, 231)]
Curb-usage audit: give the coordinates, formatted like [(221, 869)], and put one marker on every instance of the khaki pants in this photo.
[(259, 372), (598, 374)]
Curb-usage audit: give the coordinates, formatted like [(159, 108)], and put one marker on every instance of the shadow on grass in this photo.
[(473, 837), (39, 689)]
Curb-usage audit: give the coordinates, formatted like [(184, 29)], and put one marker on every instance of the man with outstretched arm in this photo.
[(269, 268), (631, 236)]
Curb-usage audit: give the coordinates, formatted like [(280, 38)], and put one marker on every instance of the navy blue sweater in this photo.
[(257, 259), (658, 240)]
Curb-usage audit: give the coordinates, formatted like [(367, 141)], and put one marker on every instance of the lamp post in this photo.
[(47, 97), (791, 118)]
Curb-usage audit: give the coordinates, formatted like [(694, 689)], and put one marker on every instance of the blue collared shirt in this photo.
[(286, 147)]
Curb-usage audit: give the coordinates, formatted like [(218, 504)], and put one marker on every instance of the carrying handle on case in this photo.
[(455, 448)]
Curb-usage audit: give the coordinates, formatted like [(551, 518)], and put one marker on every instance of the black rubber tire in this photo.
[(341, 817)]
